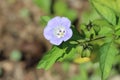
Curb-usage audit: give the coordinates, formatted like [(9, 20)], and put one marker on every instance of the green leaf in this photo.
[(64, 10), (24, 13), (118, 6), (113, 4), (76, 34), (87, 32), (15, 55), (69, 55), (60, 7), (44, 20), (86, 53), (105, 29), (50, 58), (117, 31), (95, 56), (104, 11), (83, 75), (101, 22), (43, 4), (65, 66), (108, 52), (71, 14), (90, 15)]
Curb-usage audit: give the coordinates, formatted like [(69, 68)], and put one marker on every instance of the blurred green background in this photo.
[(22, 43)]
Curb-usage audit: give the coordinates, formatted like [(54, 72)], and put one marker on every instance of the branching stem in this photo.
[(95, 39), (98, 38)]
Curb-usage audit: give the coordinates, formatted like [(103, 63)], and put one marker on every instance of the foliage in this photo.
[(44, 4), (97, 39), (108, 53), (53, 7), (15, 55)]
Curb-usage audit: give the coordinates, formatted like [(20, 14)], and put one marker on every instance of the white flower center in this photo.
[(59, 32)]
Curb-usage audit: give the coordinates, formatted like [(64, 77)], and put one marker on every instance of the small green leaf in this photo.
[(64, 10), (95, 55), (113, 4), (15, 55), (50, 58), (108, 52), (43, 4), (117, 32), (104, 11), (65, 66), (101, 22), (96, 29), (24, 13), (86, 53), (79, 49), (71, 14), (83, 75), (69, 55), (76, 34), (118, 6), (73, 42), (87, 32), (105, 29), (60, 7), (88, 16), (44, 20)]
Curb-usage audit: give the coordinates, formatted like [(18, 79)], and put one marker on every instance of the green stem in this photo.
[(95, 39), (91, 40)]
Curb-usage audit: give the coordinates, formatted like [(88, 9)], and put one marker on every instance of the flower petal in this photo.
[(48, 33), (56, 41), (65, 22), (68, 34), (54, 22)]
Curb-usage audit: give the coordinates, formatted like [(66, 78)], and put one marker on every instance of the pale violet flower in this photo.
[(58, 30)]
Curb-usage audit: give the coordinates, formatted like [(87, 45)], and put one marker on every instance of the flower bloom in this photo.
[(58, 30)]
